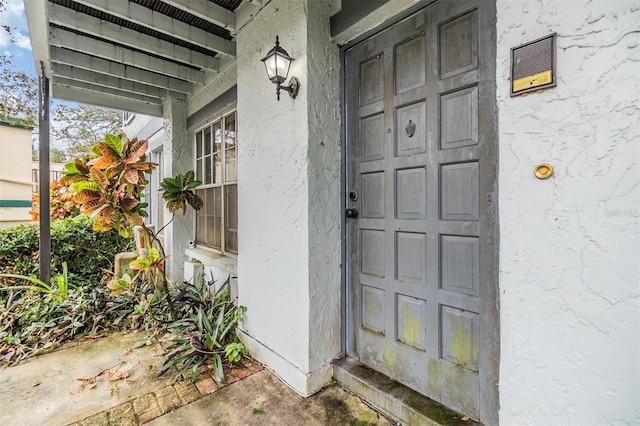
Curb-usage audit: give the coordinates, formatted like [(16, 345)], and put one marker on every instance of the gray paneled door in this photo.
[(421, 169)]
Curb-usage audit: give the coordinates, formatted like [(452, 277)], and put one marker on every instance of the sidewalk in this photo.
[(113, 381)]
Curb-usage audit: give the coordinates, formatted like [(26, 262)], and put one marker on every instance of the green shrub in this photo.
[(38, 318), (87, 252)]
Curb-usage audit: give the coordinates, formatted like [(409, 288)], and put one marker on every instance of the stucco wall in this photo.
[(288, 195), (569, 276)]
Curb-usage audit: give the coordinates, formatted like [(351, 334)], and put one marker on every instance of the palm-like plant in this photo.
[(178, 192)]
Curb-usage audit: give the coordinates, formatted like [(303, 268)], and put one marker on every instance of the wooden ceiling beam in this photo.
[(68, 18), (114, 69), (84, 96), (208, 11), (102, 49), (162, 23), (63, 81), (87, 76)]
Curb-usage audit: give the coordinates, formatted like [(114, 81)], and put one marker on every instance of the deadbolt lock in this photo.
[(351, 213), (353, 195)]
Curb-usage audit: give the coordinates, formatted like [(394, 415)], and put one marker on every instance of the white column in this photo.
[(177, 153), (289, 195)]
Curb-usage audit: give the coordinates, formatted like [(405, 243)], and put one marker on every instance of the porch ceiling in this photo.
[(132, 54)]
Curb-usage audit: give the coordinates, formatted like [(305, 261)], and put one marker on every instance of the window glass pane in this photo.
[(207, 170), (230, 148), (199, 170), (201, 236), (160, 168), (160, 213), (207, 141), (231, 218), (210, 230), (217, 154), (217, 216), (207, 233), (198, 144), (200, 231), (209, 204)]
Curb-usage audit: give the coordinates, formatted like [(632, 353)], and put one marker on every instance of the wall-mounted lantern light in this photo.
[(277, 63)]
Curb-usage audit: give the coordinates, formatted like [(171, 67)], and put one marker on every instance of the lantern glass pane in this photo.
[(282, 65), (277, 67), (269, 64)]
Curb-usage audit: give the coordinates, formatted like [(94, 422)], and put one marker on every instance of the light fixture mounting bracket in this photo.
[(292, 88)]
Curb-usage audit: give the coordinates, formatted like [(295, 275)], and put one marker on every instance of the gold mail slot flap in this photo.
[(532, 81)]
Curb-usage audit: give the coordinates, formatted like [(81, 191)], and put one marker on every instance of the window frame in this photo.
[(155, 201), (219, 118)]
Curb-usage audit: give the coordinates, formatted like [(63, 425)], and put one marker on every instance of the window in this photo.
[(217, 221), (156, 203)]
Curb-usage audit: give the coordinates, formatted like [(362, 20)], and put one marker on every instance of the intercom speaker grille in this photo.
[(533, 65), (533, 58)]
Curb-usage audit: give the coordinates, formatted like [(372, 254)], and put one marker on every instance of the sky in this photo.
[(14, 17), (20, 47)]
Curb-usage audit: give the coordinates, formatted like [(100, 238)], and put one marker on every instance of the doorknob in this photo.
[(351, 213)]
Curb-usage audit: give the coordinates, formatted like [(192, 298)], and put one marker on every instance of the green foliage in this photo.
[(109, 183), (38, 317), (60, 202), (42, 316), (178, 192), (86, 252), (80, 126), (205, 330), (149, 260), (56, 292)]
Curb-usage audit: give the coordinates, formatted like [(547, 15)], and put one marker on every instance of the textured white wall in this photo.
[(177, 153), (569, 277), (323, 76), (288, 195)]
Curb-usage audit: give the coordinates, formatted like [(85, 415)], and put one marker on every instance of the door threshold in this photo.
[(392, 398)]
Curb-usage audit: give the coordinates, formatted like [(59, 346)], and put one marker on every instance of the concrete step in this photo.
[(393, 399)]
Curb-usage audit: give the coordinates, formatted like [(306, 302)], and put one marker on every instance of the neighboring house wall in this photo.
[(55, 173), (15, 174), (569, 284)]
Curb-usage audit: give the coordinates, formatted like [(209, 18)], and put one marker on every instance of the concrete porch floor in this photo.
[(113, 381)]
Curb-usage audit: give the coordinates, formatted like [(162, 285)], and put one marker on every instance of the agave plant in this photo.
[(109, 184)]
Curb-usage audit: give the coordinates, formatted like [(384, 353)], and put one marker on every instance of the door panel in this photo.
[(421, 155)]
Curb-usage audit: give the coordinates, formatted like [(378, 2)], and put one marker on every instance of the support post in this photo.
[(45, 207), (177, 154)]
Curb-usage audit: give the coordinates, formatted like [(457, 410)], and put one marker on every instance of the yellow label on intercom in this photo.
[(532, 81)]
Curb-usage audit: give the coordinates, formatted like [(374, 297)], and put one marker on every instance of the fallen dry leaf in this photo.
[(120, 373), (128, 351), (130, 381), (86, 384), (465, 418)]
